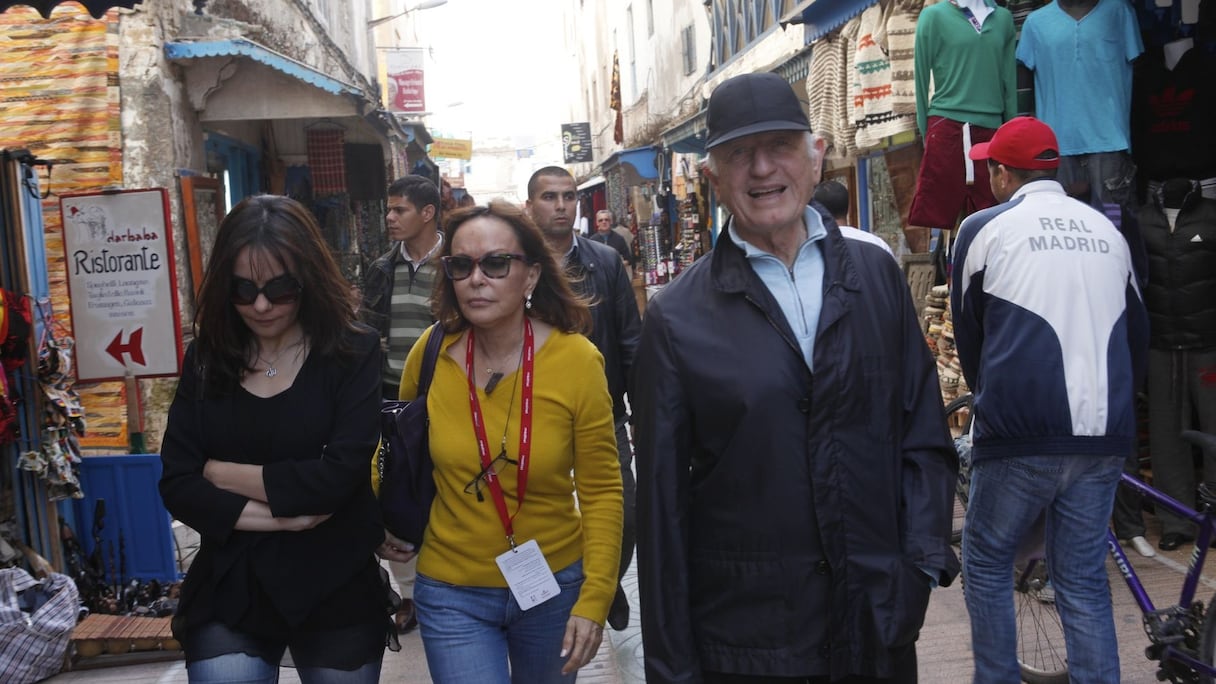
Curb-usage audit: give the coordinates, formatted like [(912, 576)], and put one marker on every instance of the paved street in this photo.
[(944, 648)]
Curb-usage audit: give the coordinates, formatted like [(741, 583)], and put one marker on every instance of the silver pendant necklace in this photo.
[(271, 371)]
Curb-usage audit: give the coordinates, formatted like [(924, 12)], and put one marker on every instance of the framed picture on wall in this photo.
[(203, 206)]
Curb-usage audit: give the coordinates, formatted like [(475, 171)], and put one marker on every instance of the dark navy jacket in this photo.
[(785, 516), (1181, 291), (598, 273)]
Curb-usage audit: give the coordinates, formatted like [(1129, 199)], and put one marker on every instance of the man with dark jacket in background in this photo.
[(795, 473), (397, 302), (598, 273), (605, 233)]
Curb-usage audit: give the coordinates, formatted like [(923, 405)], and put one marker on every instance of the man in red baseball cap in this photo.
[(1025, 149), (1052, 333)]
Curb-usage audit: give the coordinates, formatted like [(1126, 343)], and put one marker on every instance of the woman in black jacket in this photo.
[(265, 455)]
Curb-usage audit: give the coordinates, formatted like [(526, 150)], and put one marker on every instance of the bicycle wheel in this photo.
[(1207, 639), (1041, 650), (958, 417)]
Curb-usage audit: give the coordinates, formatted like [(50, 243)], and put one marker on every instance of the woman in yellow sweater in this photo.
[(518, 566)]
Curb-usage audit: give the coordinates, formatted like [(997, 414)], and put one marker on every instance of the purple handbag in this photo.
[(407, 482)]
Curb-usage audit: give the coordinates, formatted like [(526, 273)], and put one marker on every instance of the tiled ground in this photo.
[(944, 648)]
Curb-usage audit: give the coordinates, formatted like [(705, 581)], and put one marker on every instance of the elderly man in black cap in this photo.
[(795, 472)]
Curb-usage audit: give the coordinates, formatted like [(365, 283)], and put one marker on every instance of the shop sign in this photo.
[(122, 283), (576, 142), (451, 148), (406, 94)]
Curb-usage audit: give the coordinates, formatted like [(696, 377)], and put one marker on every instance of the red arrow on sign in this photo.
[(134, 347)]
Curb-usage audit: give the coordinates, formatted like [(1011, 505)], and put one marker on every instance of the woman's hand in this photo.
[(581, 643), (299, 523), (238, 478), (256, 517), (395, 549)]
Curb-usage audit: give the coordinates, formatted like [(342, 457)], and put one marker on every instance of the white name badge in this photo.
[(528, 575)]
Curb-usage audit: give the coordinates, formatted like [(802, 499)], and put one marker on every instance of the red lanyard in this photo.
[(525, 433)]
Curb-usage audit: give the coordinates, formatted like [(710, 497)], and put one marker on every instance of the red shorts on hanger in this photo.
[(942, 192)]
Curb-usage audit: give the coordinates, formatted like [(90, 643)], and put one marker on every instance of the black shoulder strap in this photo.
[(429, 358)]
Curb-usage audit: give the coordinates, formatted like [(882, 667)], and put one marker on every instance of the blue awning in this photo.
[(795, 68), (639, 159), (688, 136), (245, 48), (415, 131), (821, 17)]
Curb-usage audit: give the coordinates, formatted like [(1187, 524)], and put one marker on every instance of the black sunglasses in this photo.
[(281, 290), (475, 483), (492, 265)]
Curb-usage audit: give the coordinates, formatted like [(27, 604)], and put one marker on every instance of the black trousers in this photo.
[(905, 673)]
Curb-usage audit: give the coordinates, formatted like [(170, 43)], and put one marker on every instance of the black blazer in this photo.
[(316, 441), (616, 325)]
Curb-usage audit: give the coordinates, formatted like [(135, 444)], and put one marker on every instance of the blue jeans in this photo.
[(1007, 496), (479, 634), (239, 668)]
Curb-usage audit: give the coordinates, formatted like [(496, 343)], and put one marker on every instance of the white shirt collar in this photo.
[(425, 257)]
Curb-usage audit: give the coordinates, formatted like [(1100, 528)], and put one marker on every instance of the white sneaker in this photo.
[(1141, 545), (1047, 594)]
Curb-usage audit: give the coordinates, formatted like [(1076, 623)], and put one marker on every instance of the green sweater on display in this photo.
[(974, 74)]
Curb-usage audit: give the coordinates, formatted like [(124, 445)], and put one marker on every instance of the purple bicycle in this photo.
[(1182, 636)]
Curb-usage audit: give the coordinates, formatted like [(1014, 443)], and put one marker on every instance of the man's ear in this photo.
[(429, 213), (820, 146)]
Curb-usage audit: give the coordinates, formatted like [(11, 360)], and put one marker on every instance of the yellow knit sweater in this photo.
[(572, 506)]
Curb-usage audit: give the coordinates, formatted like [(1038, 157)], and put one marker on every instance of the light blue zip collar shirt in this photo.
[(798, 290)]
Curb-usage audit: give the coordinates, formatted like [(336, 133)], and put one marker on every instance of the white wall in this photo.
[(655, 91)]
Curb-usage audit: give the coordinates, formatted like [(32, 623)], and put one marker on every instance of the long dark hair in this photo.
[(552, 300), (284, 230)]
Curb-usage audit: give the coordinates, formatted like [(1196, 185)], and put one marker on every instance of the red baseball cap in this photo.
[(1022, 142)]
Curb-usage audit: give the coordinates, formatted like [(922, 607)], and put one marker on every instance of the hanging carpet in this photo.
[(97, 8)]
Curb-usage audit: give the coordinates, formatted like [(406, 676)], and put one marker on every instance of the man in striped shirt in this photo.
[(397, 293)]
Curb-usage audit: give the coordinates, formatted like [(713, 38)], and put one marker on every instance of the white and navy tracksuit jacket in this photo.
[(1050, 327)]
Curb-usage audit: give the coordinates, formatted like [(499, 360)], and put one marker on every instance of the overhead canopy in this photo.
[(591, 182), (238, 79), (95, 7), (637, 164), (415, 132), (821, 17), (688, 136)]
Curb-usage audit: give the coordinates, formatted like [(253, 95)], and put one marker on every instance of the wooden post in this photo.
[(135, 418), (56, 543)]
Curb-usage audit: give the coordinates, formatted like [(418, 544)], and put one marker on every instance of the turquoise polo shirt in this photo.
[(1083, 74), (798, 290)]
